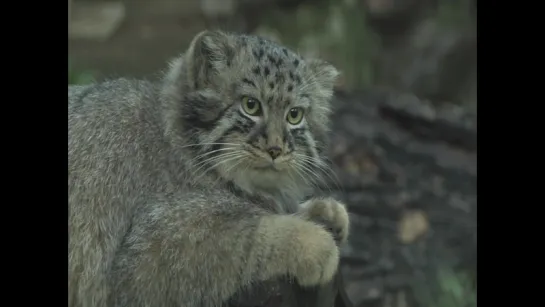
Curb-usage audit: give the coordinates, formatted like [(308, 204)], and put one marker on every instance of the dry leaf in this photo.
[(413, 225)]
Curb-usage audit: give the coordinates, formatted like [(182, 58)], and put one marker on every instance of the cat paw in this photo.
[(318, 261), (330, 213)]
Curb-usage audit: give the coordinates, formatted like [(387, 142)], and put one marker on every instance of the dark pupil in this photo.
[(250, 104), (294, 113)]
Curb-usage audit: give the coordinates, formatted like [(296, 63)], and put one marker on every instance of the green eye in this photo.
[(251, 106), (295, 116)]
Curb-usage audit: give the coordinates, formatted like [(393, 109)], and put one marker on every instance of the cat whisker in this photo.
[(298, 173), (228, 171), (205, 162), (324, 168), (310, 182), (208, 144), (209, 153), (319, 180), (230, 158), (306, 173)]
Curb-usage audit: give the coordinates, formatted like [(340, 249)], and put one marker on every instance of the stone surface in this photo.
[(403, 164)]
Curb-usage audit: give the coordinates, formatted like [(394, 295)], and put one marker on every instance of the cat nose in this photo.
[(274, 152)]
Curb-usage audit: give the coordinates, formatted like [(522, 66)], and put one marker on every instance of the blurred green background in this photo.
[(426, 47)]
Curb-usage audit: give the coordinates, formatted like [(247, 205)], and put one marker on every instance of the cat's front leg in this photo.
[(200, 249)]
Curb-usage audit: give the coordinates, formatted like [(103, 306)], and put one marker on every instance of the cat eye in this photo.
[(251, 106), (295, 116)]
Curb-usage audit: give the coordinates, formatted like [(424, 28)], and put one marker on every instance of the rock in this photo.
[(418, 201)]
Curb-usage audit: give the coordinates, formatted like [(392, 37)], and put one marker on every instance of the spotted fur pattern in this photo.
[(239, 66), (174, 199)]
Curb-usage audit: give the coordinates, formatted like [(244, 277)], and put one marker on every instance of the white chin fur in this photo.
[(262, 179)]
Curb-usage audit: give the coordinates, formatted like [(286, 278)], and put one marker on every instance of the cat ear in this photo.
[(208, 53), (324, 74)]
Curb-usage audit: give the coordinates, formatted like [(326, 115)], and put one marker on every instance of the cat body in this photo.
[(184, 191)]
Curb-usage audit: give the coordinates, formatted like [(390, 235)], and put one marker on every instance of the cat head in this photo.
[(250, 110)]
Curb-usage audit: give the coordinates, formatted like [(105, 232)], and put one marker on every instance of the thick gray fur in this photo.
[(173, 200)]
